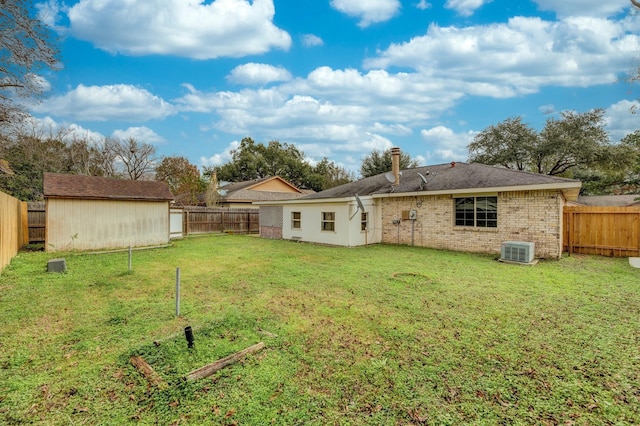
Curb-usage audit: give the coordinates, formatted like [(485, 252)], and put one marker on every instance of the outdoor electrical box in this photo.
[(409, 214)]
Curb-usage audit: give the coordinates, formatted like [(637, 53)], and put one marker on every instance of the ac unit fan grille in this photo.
[(515, 251)]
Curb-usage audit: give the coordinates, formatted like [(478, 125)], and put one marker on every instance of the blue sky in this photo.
[(336, 78)]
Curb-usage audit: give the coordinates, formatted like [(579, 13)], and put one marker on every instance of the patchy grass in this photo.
[(371, 335)]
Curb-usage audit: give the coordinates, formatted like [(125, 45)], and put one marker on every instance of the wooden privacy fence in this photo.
[(13, 227), (37, 221), (202, 220), (607, 231)]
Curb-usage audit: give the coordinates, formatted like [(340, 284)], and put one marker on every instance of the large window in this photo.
[(296, 220), (480, 212), (328, 221), (364, 221)]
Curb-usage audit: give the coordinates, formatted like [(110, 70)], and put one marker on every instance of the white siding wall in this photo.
[(347, 232), (103, 224)]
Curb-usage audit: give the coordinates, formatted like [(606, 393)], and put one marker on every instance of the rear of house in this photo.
[(95, 213), (456, 206)]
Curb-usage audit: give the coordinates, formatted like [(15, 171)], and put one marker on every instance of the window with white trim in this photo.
[(328, 222), (478, 212), (364, 221), (296, 220)]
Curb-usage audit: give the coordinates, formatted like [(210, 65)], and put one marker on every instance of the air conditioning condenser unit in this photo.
[(517, 251)]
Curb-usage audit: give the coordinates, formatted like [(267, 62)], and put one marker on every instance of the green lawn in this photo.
[(372, 335)]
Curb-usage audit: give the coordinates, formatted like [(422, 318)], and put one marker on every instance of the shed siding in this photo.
[(102, 224), (534, 216)]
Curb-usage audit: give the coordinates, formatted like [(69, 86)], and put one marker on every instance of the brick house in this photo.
[(456, 206)]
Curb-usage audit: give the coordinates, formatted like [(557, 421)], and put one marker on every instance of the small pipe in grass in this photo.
[(188, 333)]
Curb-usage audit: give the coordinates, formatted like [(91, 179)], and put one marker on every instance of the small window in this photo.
[(364, 221), (296, 220), (328, 221), (480, 212)]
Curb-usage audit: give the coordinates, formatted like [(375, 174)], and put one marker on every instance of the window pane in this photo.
[(487, 212)]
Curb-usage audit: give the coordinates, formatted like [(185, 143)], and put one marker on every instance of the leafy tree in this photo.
[(380, 162), (507, 144), (29, 157), (182, 177), (575, 141), (326, 174), (255, 161), (26, 49)]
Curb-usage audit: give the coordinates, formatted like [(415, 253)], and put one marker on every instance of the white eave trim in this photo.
[(569, 189), (340, 200)]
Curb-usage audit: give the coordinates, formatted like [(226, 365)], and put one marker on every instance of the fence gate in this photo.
[(37, 221), (606, 231)]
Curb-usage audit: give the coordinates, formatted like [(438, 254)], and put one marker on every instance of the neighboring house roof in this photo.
[(265, 189), (451, 178), (58, 185), (272, 188), (609, 200)]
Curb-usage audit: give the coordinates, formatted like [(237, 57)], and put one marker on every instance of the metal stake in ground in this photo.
[(177, 292), (130, 258)]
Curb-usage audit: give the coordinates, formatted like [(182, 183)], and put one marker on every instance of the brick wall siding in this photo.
[(534, 216)]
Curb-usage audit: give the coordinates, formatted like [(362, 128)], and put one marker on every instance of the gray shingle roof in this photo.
[(442, 177), (58, 185)]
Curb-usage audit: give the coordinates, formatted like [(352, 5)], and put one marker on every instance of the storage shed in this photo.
[(95, 213)]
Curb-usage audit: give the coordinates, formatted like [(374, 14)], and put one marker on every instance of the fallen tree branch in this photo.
[(208, 370), (148, 372)]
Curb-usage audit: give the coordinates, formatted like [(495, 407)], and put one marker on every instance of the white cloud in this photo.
[(141, 134), (49, 12), (547, 109), (423, 5), (465, 7), (368, 11), (444, 145), (258, 74), (595, 8), (104, 103), (188, 28), (221, 158), (68, 132), (621, 120), (519, 57), (311, 40)]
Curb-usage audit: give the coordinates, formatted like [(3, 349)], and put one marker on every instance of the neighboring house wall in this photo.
[(533, 216), (347, 232), (75, 224)]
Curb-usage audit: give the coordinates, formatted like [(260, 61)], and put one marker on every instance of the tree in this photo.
[(26, 49), (380, 162), (128, 159), (326, 174), (576, 140), (255, 161), (182, 177), (506, 144), (29, 157)]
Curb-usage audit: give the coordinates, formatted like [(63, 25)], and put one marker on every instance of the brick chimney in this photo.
[(395, 165)]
